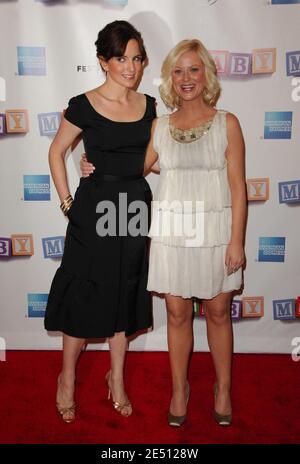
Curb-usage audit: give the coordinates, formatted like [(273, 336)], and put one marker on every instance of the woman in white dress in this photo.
[(200, 151)]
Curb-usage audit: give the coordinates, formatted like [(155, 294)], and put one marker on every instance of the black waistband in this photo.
[(111, 178)]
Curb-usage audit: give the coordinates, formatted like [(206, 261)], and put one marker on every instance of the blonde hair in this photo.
[(212, 89)]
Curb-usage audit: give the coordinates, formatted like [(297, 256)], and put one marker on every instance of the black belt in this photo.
[(111, 178)]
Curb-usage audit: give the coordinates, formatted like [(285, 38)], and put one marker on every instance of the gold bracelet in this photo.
[(66, 204), (66, 209)]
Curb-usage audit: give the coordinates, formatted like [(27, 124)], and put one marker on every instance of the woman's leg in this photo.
[(180, 342), (65, 389), (220, 341), (118, 347)]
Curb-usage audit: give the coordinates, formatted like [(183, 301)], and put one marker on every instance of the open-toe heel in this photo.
[(120, 407)]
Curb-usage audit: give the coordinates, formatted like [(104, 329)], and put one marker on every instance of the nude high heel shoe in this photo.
[(67, 413), (222, 419), (177, 421), (119, 407)]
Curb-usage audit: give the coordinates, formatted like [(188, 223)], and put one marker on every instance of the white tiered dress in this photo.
[(195, 172)]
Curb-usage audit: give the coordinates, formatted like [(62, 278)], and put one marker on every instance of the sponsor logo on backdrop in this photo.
[(2, 124), (49, 123), (289, 191), (260, 61), (258, 189), (17, 121), (91, 64), (253, 306), (293, 63), (271, 249), (284, 2), (87, 68), (284, 309), (278, 125), (37, 304), (36, 187), (53, 247), (2, 89), (31, 61), (295, 95), (22, 244)]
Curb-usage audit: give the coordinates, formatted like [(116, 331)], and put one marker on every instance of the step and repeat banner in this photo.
[(48, 55)]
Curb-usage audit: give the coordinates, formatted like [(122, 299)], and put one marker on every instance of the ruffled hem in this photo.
[(87, 309), (186, 272)]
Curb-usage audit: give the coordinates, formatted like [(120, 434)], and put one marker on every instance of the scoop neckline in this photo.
[(112, 120), (195, 127), (192, 128)]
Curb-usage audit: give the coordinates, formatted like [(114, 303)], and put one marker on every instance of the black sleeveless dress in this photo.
[(100, 287)]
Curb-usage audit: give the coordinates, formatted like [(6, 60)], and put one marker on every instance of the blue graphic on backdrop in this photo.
[(289, 192), (36, 187), (271, 249), (278, 124), (37, 304), (284, 2), (117, 2), (53, 247), (31, 61)]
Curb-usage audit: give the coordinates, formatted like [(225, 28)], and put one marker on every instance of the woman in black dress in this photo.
[(100, 288)]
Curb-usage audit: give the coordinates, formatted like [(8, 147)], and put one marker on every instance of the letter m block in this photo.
[(293, 63), (289, 192), (284, 309)]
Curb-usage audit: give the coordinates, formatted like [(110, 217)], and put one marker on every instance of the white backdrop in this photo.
[(67, 31)]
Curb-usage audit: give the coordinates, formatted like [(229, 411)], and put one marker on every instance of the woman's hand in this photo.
[(235, 257), (86, 167)]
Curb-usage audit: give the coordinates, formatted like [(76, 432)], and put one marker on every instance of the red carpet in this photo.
[(266, 400)]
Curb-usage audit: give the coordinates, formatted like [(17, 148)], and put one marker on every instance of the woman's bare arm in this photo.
[(64, 138), (151, 155), (235, 155)]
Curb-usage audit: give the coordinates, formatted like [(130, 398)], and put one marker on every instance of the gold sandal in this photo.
[(67, 413), (119, 407)]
